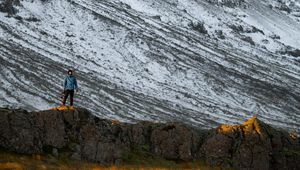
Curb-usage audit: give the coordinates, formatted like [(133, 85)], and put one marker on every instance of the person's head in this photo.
[(70, 72)]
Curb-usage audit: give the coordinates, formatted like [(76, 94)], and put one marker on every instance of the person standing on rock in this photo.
[(70, 84)]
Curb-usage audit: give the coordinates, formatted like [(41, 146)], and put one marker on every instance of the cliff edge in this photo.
[(81, 135)]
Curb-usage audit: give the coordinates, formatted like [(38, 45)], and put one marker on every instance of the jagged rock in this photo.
[(228, 3), (83, 136), (295, 53), (52, 128), (8, 6), (17, 133), (175, 141), (199, 26), (253, 145), (248, 39)]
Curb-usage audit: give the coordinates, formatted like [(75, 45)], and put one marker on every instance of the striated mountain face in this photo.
[(198, 62), (80, 135), (228, 3)]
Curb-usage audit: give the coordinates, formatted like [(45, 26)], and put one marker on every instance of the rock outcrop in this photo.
[(83, 136), (253, 145)]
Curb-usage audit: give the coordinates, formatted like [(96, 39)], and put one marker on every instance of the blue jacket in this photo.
[(70, 83)]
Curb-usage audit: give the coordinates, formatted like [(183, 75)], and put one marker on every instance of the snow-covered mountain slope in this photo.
[(199, 62)]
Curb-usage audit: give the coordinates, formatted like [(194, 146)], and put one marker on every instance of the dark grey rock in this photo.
[(83, 136)]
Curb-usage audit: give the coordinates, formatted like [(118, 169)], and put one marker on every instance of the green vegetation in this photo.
[(140, 158), (4, 110), (13, 161), (291, 152)]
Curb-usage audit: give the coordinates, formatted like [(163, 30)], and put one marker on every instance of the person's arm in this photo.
[(65, 84), (75, 84)]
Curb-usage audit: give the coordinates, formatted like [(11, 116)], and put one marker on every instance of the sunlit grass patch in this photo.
[(138, 160)]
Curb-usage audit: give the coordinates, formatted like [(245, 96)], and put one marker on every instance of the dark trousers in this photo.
[(66, 94)]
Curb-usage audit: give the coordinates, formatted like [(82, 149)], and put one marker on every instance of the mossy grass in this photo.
[(139, 158), (291, 152)]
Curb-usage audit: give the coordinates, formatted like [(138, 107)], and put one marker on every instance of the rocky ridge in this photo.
[(83, 136)]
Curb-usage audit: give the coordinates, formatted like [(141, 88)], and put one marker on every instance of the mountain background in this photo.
[(201, 62)]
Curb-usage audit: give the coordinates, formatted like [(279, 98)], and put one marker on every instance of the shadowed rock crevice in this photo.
[(80, 135)]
